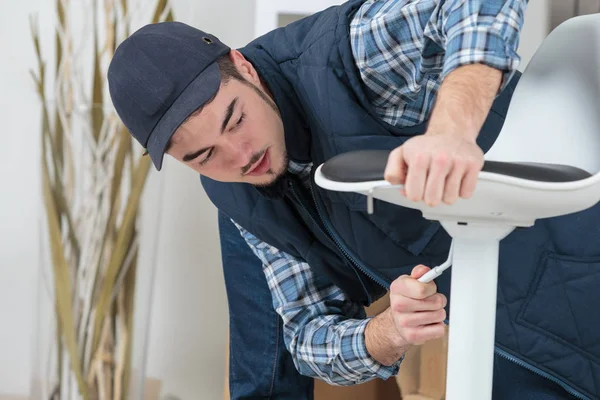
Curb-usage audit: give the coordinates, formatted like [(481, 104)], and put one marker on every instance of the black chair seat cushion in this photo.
[(369, 165)]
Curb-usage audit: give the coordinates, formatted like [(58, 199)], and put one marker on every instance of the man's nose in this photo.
[(238, 150)]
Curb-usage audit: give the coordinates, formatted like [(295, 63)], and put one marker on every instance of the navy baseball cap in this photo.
[(158, 76)]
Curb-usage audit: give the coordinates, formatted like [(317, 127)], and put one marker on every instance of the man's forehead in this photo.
[(199, 118)]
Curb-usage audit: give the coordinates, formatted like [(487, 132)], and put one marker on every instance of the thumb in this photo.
[(402, 167), (419, 271), (395, 169)]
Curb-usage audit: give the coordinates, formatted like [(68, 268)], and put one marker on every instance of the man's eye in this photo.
[(209, 155), (242, 117), (238, 123)]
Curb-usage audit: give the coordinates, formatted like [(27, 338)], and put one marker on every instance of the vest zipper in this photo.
[(539, 372), (333, 234), (329, 232)]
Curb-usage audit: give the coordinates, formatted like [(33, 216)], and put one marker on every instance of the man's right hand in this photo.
[(416, 314), (417, 309)]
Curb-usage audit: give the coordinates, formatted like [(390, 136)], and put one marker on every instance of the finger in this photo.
[(453, 182), (417, 170), (395, 170), (469, 182), (422, 318), (403, 304), (419, 271), (408, 287), (434, 187), (423, 334)]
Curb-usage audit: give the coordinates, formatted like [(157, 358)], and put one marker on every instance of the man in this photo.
[(431, 80)]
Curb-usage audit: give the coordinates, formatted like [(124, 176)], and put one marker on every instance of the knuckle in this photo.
[(442, 314), (443, 300), (421, 291), (475, 162), (420, 159), (411, 336), (395, 156), (396, 152), (441, 158), (433, 286), (439, 302), (399, 306), (401, 322), (404, 322), (397, 285), (472, 165), (460, 163)]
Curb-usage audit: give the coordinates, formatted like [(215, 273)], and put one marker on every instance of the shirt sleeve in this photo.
[(323, 330), (404, 49), (481, 31)]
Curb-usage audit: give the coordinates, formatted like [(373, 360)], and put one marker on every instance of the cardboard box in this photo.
[(152, 389), (408, 376), (416, 397), (423, 372), (432, 377), (372, 390)]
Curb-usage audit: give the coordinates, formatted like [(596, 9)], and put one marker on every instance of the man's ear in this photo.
[(244, 67)]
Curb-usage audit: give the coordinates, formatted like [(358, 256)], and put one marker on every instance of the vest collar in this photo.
[(296, 130)]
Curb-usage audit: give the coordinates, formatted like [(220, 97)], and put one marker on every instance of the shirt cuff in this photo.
[(484, 47), (354, 348)]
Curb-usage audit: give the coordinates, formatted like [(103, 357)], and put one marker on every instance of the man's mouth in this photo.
[(261, 166)]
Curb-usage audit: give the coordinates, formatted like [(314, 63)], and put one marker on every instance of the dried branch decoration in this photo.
[(93, 180)]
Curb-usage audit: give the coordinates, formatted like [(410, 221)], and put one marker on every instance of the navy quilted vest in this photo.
[(549, 280)]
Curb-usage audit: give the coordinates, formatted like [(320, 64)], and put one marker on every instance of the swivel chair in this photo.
[(545, 163)]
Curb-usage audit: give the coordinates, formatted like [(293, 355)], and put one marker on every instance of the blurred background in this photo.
[(187, 329)]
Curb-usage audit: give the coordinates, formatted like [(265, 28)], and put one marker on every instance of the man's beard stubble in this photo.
[(277, 175)]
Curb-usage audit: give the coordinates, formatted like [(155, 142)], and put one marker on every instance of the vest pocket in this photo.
[(563, 303)]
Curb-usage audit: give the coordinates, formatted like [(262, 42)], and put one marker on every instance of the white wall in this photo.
[(189, 312), (534, 30), (19, 195)]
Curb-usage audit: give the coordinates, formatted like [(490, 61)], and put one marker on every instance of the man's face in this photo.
[(238, 137)]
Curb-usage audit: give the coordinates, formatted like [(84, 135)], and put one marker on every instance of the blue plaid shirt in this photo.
[(388, 41)]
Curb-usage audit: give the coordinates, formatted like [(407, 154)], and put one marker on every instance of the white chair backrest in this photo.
[(554, 115)]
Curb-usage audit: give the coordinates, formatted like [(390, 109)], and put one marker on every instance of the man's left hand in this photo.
[(436, 167)]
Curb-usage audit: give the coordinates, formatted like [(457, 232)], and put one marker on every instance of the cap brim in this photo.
[(198, 92)]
